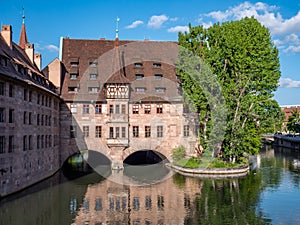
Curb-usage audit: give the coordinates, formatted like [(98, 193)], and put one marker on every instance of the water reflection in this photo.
[(268, 195)]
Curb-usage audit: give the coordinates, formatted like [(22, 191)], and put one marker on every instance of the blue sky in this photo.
[(47, 21)]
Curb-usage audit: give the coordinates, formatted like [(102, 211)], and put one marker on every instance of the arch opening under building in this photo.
[(145, 157)]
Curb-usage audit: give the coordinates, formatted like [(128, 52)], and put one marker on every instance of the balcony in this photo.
[(117, 142)]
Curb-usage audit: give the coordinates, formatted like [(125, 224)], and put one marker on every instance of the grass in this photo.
[(206, 161)]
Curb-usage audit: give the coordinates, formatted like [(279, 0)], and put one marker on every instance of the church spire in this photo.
[(23, 36)]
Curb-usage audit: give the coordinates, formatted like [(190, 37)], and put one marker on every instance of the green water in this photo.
[(270, 194)]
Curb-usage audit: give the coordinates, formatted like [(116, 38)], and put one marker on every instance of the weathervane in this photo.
[(117, 29)]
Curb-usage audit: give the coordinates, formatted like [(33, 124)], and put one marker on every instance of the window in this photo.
[(30, 96), (24, 117), (72, 89), (11, 116), (93, 64), (73, 76), (38, 98), (159, 131), (98, 109), (117, 132), (86, 109), (85, 130), (136, 203), (156, 65), (148, 202), (2, 144), (159, 109), (111, 109), (43, 98), (123, 109), (147, 131), (25, 94), (135, 109), (2, 88), (10, 143), (123, 132), (74, 63), (98, 132), (186, 130), (38, 142), (11, 90), (42, 120), (147, 109), (30, 142), (160, 202), (135, 131), (93, 89), (93, 76), (29, 118), (24, 143), (138, 65), (139, 76), (117, 109), (111, 132), (73, 108), (73, 131), (158, 76), (140, 89), (98, 204), (2, 112), (38, 119), (160, 90), (42, 141)]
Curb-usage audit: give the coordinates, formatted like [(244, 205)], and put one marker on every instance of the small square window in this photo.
[(74, 63), (98, 132), (73, 108), (85, 131), (93, 89), (135, 109), (93, 63), (147, 131), (186, 130), (140, 89), (86, 109), (98, 109), (135, 131), (160, 90), (159, 109)]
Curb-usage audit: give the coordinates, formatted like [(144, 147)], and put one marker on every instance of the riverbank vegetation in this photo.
[(228, 73)]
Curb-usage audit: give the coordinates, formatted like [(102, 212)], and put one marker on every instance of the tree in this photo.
[(245, 63), (293, 123)]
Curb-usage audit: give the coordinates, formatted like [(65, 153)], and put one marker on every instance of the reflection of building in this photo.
[(29, 116), (121, 97), (111, 203)]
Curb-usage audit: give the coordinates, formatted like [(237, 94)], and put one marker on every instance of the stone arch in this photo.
[(129, 152)]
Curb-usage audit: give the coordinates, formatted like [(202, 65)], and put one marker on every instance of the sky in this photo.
[(47, 21)]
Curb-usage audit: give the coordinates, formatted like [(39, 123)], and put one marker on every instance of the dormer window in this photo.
[(3, 61), (74, 63), (138, 65), (158, 76), (156, 65), (93, 63), (139, 76), (160, 90), (93, 76)]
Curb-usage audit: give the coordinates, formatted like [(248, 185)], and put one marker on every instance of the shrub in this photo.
[(178, 153)]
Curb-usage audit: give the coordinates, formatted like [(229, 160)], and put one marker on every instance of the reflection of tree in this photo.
[(231, 201)]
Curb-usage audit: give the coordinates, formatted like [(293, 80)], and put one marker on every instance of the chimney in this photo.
[(29, 49), (7, 34), (38, 60)]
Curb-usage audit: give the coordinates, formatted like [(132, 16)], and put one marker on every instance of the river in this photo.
[(270, 194)]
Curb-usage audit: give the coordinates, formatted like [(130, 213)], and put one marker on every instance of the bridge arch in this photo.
[(143, 156)]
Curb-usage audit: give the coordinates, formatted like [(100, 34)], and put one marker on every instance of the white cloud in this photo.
[(264, 13), (292, 48), (289, 83), (157, 21), (135, 24), (174, 19), (178, 29), (52, 48)]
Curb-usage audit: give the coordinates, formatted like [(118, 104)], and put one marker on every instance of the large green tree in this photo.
[(245, 64)]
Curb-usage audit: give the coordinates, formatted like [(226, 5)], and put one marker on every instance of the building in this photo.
[(29, 116), (288, 110), (110, 96), (120, 97)]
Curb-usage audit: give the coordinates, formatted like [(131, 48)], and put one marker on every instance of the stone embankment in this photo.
[(211, 173)]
